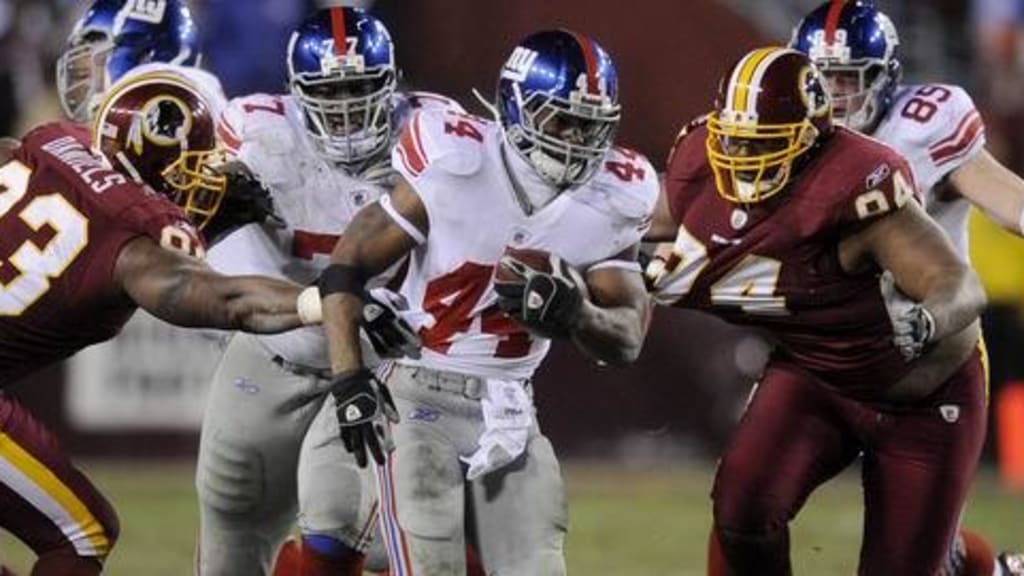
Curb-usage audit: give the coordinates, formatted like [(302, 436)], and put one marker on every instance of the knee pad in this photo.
[(229, 476), (430, 490)]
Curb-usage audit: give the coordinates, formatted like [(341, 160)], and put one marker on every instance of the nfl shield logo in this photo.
[(950, 412)]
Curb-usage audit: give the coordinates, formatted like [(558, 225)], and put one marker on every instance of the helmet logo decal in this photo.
[(166, 121), (822, 49), (347, 61), (813, 93), (518, 64), (151, 11)]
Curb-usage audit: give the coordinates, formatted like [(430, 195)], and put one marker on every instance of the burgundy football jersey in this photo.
[(775, 265), (64, 216)]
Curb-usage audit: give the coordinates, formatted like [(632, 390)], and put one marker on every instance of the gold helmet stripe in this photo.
[(758, 75), (739, 85)]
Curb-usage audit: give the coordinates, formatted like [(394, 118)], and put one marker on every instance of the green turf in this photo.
[(623, 522)]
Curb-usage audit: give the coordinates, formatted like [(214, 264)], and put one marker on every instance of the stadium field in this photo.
[(624, 522)]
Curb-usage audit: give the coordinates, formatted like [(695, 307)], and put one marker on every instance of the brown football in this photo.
[(538, 260)]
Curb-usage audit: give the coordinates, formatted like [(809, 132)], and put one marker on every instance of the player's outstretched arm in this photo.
[(184, 291), (994, 188), (924, 266), (372, 242), (610, 325)]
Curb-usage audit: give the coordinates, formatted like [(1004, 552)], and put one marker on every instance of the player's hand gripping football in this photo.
[(546, 302), (364, 409), (912, 331)]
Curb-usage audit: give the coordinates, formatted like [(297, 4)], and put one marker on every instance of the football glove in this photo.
[(913, 331), (364, 409), (245, 201), (389, 334), (546, 304)]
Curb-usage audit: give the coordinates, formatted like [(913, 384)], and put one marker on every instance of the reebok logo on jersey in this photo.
[(353, 413), (877, 176), (246, 386)]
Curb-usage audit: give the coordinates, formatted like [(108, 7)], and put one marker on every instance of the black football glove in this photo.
[(547, 304), (913, 330), (389, 334), (364, 409), (245, 201)]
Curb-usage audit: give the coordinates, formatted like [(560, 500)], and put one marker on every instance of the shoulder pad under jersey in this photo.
[(626, 185), (451, 142), (936, 126)]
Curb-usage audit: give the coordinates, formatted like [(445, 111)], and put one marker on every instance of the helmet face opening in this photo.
[(855, 91), (342, 72), (558, 105), (194, 184), (564, 141), (752, 163), (81, 75)]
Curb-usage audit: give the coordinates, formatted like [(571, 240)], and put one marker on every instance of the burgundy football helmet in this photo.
[(772, 108), (158, 129)]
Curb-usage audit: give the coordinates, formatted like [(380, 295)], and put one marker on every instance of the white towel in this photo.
[(508, 415)]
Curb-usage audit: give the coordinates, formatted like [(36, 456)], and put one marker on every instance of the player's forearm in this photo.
[(261, 305), (955, 300), (997, 190), (612, 335), (341, 325)]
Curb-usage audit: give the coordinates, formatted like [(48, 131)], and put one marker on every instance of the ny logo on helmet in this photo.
[(821, 49), (518, 64), (151, 11)]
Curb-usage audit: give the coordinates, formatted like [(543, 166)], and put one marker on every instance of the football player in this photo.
[(542, 178), (114, 39), (814, 233), (323, 152), (88, 238), (935, 126)]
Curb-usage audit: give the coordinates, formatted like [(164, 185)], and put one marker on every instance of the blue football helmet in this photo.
[(115, 36), (855, 46), (558, 104), (341, 70)]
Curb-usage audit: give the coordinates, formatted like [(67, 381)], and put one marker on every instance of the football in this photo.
[(510, 266)]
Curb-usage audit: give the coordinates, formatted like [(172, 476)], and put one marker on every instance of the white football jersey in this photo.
[(938, 129), (458, 167), (315, 198)]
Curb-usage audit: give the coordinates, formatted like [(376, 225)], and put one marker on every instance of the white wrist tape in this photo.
[(1020, 222), (308, 306)]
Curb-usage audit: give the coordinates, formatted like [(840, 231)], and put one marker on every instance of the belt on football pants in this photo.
[(301, 369), (472, 387)]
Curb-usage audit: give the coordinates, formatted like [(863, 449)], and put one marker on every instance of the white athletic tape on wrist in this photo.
[(308, 306), (1020, 222)]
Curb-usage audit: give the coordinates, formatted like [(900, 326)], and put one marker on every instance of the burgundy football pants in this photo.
[(918, 463), (45, 501)]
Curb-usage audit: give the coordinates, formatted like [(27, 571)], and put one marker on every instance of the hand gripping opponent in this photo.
[(913, 331), (541, 291), (364, 409)]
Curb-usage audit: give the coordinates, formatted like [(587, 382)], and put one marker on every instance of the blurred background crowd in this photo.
[(688, 388)]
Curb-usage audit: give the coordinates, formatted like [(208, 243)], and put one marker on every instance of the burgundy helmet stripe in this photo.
[(338, 30), (832, 20), (591, 61)]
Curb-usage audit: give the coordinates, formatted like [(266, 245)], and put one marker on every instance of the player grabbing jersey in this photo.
[(86, 242), (323, 152), (935, 126), (785, 222), (543, 176)]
